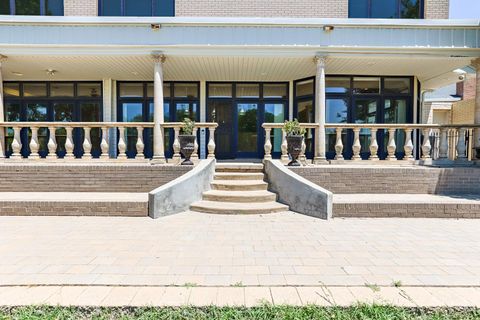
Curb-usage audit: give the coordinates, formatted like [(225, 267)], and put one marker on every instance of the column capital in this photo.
[(3, 58), (320, 60), (158, 57), (476, 63)]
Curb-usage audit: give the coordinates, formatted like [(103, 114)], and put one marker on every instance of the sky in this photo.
[(464, 9)]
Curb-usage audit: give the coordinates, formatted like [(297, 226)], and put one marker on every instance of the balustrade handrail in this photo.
[(72, 124), (376, 125), (280, 125)]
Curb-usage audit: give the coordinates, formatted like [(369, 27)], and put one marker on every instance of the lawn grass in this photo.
[(265, 312)]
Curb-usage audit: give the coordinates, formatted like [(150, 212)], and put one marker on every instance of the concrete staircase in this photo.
[(238, 189)]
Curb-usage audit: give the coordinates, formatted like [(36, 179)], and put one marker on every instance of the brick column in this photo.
[(2, 115), (80, 7), (476, 64), (320, 155), (158, 146)]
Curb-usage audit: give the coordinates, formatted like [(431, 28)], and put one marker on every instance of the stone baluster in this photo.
[(104, 143), (195, 145), (461, 146), (284, 147), (16, 144), (34, 146), (357, 147), (443, 148), (177, 158), (391, 147), (69, 143), (339, 145), (122, 146), (52, 144), (373, 145), (140, 145), (426, 145), (268, 144), (87, 143), (211, 143), (302, 157), (408, 146)]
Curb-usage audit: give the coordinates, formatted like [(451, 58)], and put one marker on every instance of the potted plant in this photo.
[(294, 133), (187, 140)]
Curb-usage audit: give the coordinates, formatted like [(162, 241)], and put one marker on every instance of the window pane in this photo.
[(166, 90), (410, 9), (358, 8), (247, 90), (396, 112), (62, 112), (366, 85), (185, 110), (336, 112), (365, 111), (220, 90), (397, 85), (111, 8), (54, 7), (304, 88), (384, 9), (27, 7), (36, 112), (131, 90), (11, 89), (337, 85), (163, 8), (61, 90), (305, 114), (5, 7), (247, 127), (185, 90), (275, 113), (274, 90), (34, 89), (93, 90), (132, 112), (90, 112), (12, 114), (138, 8)]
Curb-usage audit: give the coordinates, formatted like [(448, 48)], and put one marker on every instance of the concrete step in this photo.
[(239, 176), (406, 205), (74, 204), (237, 207), (239, 167), (239, 196), (239, 185)]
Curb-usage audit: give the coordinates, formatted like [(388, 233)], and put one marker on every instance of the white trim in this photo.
[(241, 21)]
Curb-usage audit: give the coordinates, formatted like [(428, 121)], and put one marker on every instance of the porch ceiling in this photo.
[(433, 71)]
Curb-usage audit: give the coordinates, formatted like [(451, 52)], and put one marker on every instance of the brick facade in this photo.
[(263, 8), (80, 7), (437, 9), (463, 112)]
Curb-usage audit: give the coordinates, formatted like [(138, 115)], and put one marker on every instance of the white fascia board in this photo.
[(239, 21)]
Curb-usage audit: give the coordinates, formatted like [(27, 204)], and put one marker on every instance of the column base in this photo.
[(320, 160), (158, 160)]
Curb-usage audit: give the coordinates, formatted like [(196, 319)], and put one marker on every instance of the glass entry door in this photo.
[(247, 130)]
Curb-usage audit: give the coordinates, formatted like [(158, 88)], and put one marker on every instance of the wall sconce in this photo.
[(328, 28), (155, 26)]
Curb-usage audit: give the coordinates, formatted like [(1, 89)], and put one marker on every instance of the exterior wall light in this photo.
[(328, 28), (155, 26), (51, 72)]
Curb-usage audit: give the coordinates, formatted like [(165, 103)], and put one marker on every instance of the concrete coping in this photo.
[(177, 195)]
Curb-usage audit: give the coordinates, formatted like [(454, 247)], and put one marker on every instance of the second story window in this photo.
[(137, 8), (385, 9), (32, 7)]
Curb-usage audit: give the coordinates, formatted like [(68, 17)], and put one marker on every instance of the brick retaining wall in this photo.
[(86, 178), (363, 179)]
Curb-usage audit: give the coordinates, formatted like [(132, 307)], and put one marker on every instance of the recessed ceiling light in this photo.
[(17, 73), (51, 72)]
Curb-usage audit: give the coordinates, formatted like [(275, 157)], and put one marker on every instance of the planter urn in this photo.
[(294, 148), (187, 146), (477, 151)]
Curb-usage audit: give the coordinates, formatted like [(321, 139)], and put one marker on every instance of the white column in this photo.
[(158, 146), (203, 118), (2, 117), (290, 100), (476, 64), (320, 110)]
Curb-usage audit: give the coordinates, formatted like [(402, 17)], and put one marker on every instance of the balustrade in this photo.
[(450, 142), (103, 147)]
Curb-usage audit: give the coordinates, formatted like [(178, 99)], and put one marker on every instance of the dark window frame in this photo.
[(43, 8), (369, 10), (123, 13)]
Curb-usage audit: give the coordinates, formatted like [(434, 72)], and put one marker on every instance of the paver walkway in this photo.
[(285, 255)]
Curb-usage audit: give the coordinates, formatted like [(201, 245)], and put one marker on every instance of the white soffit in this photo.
[(226, 68)]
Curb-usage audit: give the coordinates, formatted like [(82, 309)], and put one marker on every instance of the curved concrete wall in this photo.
[(297, 192), (177, 195)]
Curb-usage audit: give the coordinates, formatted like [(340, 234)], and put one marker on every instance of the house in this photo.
[(89, 79)]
